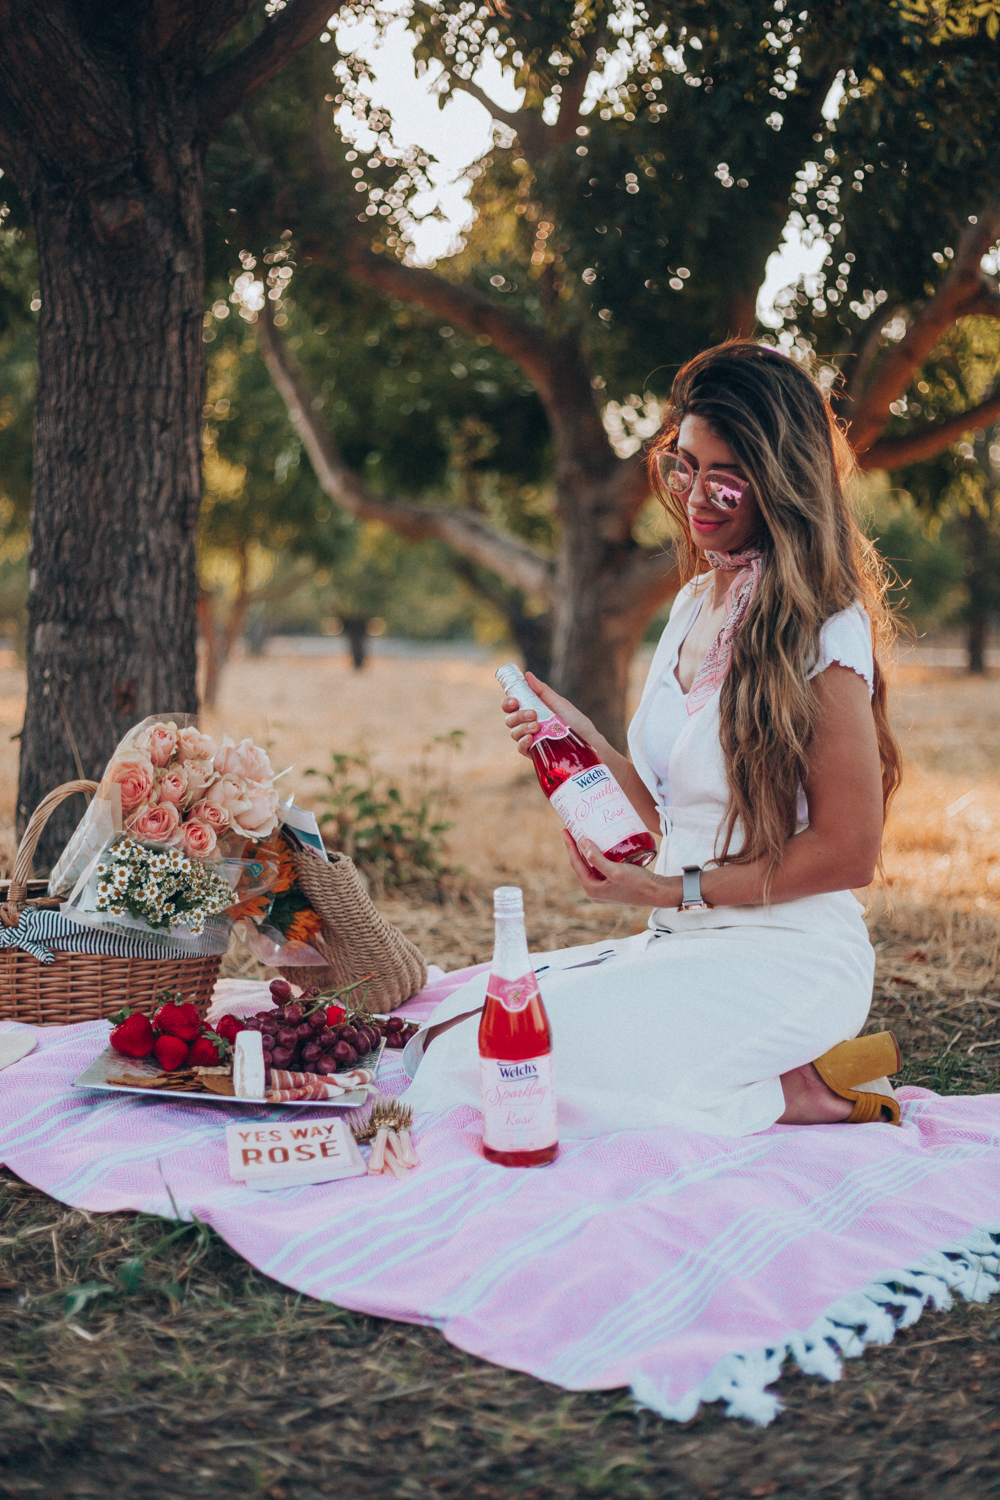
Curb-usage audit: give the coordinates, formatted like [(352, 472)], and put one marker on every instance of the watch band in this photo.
[(691, 896)]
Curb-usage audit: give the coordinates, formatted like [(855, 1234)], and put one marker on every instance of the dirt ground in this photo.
[(193, 1375)]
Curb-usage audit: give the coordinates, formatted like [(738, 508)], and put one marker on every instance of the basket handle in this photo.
[(10, 913)]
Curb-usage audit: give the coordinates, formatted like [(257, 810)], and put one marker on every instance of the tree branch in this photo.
[(538, 139), (287, 32), (215, 21), (178, 26), (556, 367), (856, 361), (48, 74), (911, 447), (532, 130), (468, 534), (573, 90), (963, 291), (510, 118)]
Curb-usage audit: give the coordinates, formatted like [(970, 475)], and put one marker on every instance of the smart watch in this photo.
[(691, 897)]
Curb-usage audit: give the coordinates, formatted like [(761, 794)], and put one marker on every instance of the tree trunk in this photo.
[(977, 644), (112, 607), (980, 583), (532, 633), (211, 666), (356, 630), (599, 614)]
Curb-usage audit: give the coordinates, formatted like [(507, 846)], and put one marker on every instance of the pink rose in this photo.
[(173, 785), (245, 759), (133, 772), (157, 825), (229, 792), (227, 760), (254, 764), (262, 815), (197, 839), (193, 745), (211, 813), (200, 774), (161, 743)]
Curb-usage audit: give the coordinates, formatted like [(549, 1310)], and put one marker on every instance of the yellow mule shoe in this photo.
[(858, 1070)]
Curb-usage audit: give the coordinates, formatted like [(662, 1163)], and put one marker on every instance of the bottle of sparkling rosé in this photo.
[(515, 1049), (578, 783)]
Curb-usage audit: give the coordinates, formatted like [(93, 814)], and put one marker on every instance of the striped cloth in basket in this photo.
[(39, 931)]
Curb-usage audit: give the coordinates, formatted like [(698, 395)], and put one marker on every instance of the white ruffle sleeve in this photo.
[(847, 640)]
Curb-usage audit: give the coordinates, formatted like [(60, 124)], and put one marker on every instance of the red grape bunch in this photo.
[(310, 1035)]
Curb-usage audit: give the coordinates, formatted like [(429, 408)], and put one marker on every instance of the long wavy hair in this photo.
[(817, 561)]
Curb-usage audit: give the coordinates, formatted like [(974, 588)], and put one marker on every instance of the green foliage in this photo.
[(702, 141), (927, 563), (956, 494), (307, 561), (659, 222), (256, 487), (395, 835)]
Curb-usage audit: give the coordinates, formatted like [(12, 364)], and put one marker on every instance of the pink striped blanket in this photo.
[(688, 1267)]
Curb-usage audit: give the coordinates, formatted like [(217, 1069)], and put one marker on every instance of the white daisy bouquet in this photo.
[(163, 888)]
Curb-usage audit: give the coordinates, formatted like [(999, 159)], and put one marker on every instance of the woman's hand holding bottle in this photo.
[(523, 722)]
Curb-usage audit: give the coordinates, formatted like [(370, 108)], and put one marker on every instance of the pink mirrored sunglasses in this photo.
[(724, 490)]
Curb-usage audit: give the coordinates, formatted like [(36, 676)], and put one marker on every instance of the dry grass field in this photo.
[(198, 1377)]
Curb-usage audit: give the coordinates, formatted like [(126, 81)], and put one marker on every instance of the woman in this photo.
[(762, 750)]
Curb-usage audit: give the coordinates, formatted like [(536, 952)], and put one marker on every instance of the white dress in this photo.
[(691, 1022)]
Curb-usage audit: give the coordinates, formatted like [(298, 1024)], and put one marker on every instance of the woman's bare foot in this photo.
[(809, 1101)]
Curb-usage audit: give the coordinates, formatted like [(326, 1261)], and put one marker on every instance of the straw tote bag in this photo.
[(356, 939)]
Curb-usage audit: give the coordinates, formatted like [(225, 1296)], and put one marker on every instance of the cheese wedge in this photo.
[(248, 1066)]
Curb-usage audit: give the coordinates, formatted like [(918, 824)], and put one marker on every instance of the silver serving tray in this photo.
[(111, 1063)]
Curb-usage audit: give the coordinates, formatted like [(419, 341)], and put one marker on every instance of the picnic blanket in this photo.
[(688, 1267)]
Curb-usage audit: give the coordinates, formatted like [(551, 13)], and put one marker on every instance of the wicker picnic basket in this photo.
[(357, 940), (83, 986)]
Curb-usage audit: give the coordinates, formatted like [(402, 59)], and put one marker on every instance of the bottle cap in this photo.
[(509, 676), (508, 901)]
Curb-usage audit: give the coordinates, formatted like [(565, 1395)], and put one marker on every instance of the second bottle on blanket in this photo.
[(515, 1049)]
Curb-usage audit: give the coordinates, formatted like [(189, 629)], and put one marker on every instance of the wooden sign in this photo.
[(275, 1156)]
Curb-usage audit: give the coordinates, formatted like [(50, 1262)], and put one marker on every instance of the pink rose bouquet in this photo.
[(180, 789)]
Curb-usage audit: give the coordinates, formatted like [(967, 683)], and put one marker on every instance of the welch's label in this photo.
[(593, 806), (519, 1103)]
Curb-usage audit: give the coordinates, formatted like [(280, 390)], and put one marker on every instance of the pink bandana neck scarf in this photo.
[(713, 669)]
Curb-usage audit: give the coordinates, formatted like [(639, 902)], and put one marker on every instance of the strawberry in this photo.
[(133, 1035), (208, 1050), (171, 1053), (178, 1018), (229, 1027), (334, 1015)]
